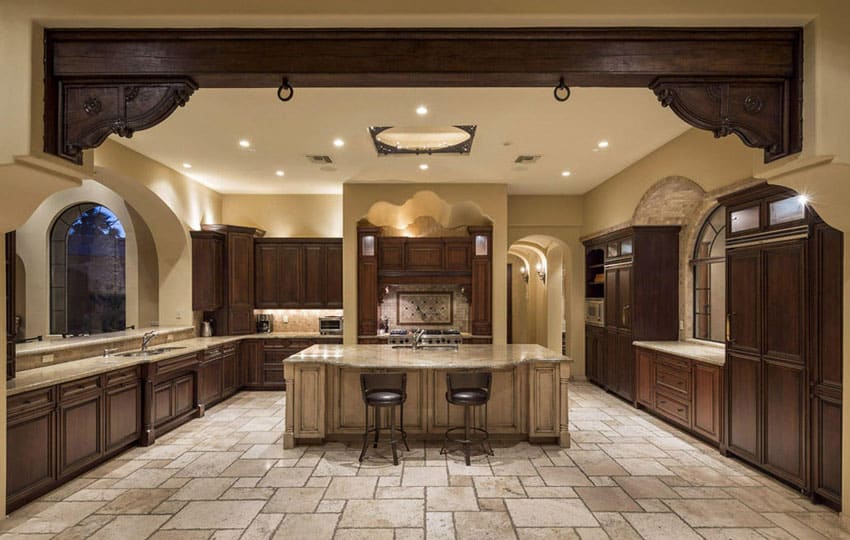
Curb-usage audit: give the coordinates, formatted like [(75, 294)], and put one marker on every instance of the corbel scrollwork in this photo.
[(759, 111), (90, 111)]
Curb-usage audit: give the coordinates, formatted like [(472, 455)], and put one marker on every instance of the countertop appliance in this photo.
[(264, 324), (206, 329), (330, 326), (425, 338), (594, 311)]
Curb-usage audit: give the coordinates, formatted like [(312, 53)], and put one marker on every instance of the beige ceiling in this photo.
[(511, 121)]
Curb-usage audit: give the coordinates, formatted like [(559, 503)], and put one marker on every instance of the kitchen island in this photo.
[(529, 399)]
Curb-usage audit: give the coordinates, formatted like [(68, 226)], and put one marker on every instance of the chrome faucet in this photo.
[(147, 339)]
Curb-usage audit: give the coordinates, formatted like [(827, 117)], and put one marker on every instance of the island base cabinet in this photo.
[(30, 446)]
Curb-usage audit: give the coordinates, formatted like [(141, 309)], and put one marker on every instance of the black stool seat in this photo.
[(383, 391), (468, 396), (383, 398), (468, 389)]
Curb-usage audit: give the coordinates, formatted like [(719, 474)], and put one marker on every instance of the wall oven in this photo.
[(594, 311)]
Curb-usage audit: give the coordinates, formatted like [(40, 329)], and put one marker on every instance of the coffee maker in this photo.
[(264, 324)]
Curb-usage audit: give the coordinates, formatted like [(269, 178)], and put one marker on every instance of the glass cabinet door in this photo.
[(786, 211), (745, 219)]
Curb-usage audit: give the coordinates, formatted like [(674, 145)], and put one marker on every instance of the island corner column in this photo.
[(564, 405), (289, 406)]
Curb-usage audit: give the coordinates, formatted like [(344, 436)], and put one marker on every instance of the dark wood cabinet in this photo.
[(30, 446), (368, 250), (298, 273), (707, 400), (210, 379), (636, 272), (481, 306), (123, 408), (644, 377), (80, 416), (230, 374), (207, 270), (251, 363), (594, 347), (784, 313), (11, 311)]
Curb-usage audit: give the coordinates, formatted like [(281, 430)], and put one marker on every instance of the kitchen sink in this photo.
[(150, 352)]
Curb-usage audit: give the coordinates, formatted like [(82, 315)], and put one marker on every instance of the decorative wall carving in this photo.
[(93, 110), (755, 110)]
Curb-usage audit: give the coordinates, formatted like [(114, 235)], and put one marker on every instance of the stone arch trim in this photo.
[(670, 201)]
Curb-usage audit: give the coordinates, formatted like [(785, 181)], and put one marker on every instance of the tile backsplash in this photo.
[(443, 298), (297, 320)]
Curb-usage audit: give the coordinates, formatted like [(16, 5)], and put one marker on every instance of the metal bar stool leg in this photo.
[(365, 434), (489, 447), (377, 426), (467, 419), (393, 442), (401, 426)]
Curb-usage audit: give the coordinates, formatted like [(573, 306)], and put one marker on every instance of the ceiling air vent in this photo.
[(320, 160), (525, 159)]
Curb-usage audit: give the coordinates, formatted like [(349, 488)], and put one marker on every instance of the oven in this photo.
[(330, 326), (594, 311)]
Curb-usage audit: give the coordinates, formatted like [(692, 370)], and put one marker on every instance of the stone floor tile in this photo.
[(616, 526), (144, 478), (477, 525), (551, 492), (333, 464), (828, 524), (550, 513), (249, 467), (210, 464), (245, 494), (644, 467), (730, 534), (652, 505), (439, 526), (498, 487), (425, 476), (656, 526), (413, 492), (169, 507), (459, 468), (541, 533), (383, 513), (512, 467), (564, 476), (294, 500), (364, 534), (295, 477), (351, 487), (644, 487), (450, 499), (130, 528), (87, 494), (762, 499), (331, 507), (81, 531), (57, 517), (716, 513), (591, 533), (492, 505), (199, 489), (312, 526), (319, 481), (136, 501), (607, 499), (215, 515), (699, 493), (181, 535), (410, 534)]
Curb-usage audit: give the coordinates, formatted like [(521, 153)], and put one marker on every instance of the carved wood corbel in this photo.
[(756, 110), (91, 110)]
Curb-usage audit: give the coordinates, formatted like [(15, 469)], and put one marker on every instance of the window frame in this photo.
[(698, 261)]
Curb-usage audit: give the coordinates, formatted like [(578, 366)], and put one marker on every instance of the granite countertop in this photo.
[(710, 353), (465, 335), (466, 356), (55, 344), (32, 379)]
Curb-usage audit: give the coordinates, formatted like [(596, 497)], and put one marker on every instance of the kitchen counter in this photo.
[(466, 356), (53, 344), (529, 399), (41, 377), (701, 351)]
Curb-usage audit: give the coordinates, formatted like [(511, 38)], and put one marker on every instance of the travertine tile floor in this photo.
[(226, 476)]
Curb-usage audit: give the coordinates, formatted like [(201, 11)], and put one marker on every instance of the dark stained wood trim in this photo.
[(746, 81)]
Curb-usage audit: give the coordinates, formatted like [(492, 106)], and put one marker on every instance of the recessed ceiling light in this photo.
[(422, 110), (602, 144), (245, 143), (187, 165), (339, 143), (279, 173), (565, 173), (423, 166)]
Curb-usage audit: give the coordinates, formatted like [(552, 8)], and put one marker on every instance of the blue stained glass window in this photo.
[(87, 271)]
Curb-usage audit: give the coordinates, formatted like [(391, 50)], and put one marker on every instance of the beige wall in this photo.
[(490, 199), (286, 215)]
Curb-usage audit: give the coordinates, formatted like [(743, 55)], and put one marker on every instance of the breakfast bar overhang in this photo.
[(529, 398)]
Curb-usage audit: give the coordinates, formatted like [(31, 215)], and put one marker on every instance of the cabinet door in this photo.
[(30, 455), (625, 366), (609, 368), (273, 356), (744, 411), (184, 394), (207, 272), (612, 319), (163, 402), (240, 265), (481, 310), (644, 376), (251, 363), (123, 414), (314, 276), (423, 254), (80, 433), (333, 276), (591, 360), (784, 298), (784, 419), (743, 300), (624, 298), (210, 381), (289, 276), (706, 400), (229, 374), (457, 254), (267, 280)]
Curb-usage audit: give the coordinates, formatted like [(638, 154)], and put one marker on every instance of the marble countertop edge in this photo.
[(710, 353)]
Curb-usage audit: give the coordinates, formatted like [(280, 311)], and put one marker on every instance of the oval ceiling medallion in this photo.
[(422, 140)]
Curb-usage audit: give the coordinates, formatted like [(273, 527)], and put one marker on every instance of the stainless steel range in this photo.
[(425, 338)]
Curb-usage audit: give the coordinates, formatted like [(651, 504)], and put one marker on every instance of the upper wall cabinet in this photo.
[(774, 210), (398, 254), (298, 273), (207, 270)]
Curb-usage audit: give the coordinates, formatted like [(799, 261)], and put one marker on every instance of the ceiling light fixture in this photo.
[(423, 166), (422, 110), (279, 173), (245, 143), (565, 173), (339, 143), (187, 165), (541, 272), (602, 144)]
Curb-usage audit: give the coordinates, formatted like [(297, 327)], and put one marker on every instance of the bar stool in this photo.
[(468, 389), (382, 391)]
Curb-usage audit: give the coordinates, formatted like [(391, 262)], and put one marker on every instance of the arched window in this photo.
[(87, 271), (709, 263)]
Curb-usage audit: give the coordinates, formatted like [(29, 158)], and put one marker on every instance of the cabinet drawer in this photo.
[(23, 403), (116, 378), (78, 388), (673, 363), (300, 344), (176, 364), (673, 408), (674, 380)]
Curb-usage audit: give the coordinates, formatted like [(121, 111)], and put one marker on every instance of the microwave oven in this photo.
[(330, 326), (594, 311)]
